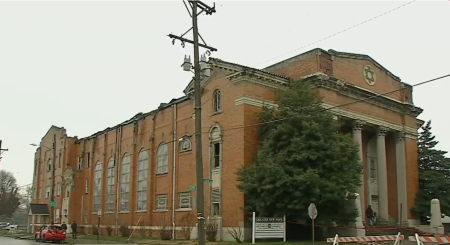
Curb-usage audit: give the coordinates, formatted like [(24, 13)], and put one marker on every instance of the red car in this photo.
[(53, 233)]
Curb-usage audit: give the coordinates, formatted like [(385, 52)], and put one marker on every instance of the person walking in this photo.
[(369, 215), (74, 227)]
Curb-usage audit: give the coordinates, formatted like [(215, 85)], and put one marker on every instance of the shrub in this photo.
[(188, 222), (236, 233), (143, 231), (95, 230), (211, 231), (109, 230), (124, 231), (165, 233)]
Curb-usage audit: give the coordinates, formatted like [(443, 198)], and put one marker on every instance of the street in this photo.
[(12, 241)]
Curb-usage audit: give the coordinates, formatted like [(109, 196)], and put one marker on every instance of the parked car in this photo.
[(53, 233), (9, 227), (4, 224)]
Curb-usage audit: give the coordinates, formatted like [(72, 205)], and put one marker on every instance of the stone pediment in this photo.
[(363, 57)]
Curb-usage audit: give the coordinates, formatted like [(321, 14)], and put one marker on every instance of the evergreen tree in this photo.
[(302, 159), (434, 175)]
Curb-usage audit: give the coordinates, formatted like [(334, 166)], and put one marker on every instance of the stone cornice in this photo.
[(355, 92), (410, 131), (239, 77)]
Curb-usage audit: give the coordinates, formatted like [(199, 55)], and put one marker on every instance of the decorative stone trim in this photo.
[(400, 136), (240, 78), (358, 125), (409, 131), (382, 131), (355, 92)]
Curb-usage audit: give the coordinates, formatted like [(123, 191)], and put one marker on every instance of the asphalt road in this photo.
[(12, 241)]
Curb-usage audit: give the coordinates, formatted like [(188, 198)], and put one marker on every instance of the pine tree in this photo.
[(434, 175), (302, 159)]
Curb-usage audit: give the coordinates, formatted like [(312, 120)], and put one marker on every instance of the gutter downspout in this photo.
[(116, 165), (82, 209), (174, 181)]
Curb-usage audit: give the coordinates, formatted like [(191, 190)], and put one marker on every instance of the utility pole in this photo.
[(1, 151), (52, 197), (195, 5)]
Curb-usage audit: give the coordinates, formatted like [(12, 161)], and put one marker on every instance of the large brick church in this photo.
[(144, 168)]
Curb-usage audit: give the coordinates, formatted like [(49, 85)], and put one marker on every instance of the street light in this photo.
[(42, 146), (52, 188)]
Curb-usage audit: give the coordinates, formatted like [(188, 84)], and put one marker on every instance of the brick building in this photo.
[(151, 158)]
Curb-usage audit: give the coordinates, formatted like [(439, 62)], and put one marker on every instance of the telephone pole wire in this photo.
[(195, 5)]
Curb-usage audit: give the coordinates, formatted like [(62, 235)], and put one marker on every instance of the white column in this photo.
[(402, 200), (382, 175), (357, 139)]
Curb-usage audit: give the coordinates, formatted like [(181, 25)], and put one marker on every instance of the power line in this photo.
[(342, 105), (342, 31)]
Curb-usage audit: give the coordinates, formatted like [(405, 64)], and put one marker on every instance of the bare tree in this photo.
[(25, 197), (9, 194)]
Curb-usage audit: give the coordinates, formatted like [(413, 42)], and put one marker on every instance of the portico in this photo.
[(382, 154)]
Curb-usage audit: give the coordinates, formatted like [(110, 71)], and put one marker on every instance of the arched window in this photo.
[(97, 185), (162, 161), (185, 144), (216, 101), (142, 180), (125, 183), (49, 165), (110, 186)]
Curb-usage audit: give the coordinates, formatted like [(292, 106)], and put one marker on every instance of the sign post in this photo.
[(312, 212), (265, 228)]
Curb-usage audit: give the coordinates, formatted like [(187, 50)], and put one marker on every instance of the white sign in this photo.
[(312, 211), (264, 228), (99, 212)]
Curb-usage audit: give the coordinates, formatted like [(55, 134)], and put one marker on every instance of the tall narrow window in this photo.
[(142, 180), (125, 183), (162, 161), (97, 186), (110, 186), (216, 147), (49, 164), (215, 201), (216, 101), (47, 191), (86, 186), (373, 168), (88, 160)]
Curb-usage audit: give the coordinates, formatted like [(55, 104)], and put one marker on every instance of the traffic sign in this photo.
[(52, 204), (192, 188), (312, 211), (208, 180)]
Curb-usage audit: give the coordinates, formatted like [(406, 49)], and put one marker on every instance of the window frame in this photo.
[(181, 197), (141, 181), (217, 101), (110, 185), (161, 197), (97, 187), (162, 159), (125, 179)]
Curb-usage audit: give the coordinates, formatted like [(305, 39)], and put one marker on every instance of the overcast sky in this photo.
[(86, 66)]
